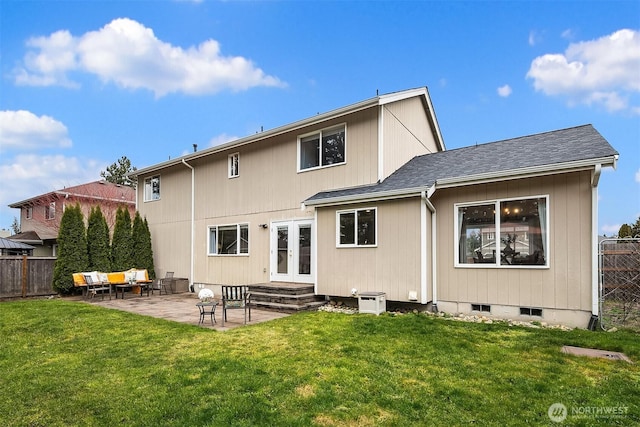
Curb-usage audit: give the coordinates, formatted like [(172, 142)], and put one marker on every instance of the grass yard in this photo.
[(68, 363)]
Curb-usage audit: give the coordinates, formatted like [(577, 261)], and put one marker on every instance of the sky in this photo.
[(84, 83)]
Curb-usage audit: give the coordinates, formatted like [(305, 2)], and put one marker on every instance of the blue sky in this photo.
[(86, 82)]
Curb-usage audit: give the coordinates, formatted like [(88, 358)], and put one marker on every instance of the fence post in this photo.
[(24, 276)]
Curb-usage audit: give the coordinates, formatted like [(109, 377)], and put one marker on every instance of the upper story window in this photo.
[(152, 188), (323, 148), (356, 227), (229, 239), (28, 212), (50, 211), (234, 165), (521, 232)]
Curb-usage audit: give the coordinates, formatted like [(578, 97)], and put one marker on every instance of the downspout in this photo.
[(427, 203), (595, 286), (193, 212)]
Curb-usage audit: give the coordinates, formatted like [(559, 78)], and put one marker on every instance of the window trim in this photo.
[(50, 211), (320, 133), (237, 225), (355, 212), (230, 165), (496, 202), (144, 189)]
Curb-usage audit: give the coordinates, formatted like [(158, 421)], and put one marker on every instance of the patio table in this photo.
[(207, 308)]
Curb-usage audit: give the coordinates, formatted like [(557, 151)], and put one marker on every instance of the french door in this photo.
[(292, 251)]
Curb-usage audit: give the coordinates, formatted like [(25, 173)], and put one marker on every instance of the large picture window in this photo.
[(321, 149), (152, 188), (357, 227), (511, 232), (229, 239)]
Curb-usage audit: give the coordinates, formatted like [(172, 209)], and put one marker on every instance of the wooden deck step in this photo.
[(287, 297)]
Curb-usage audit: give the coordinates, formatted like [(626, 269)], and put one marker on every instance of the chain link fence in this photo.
[(619, 266)]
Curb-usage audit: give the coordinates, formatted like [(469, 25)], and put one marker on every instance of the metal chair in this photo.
[(236, 297), (165, 282), (94, 287)]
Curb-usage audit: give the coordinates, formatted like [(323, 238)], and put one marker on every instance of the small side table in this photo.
[(207, 308)]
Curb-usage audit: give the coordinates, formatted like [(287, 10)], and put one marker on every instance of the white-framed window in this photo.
[(28, 212), (234, 165), (521, 226), (152, 188), (230, 239), (356, 227), (323, 148), (50, 211)]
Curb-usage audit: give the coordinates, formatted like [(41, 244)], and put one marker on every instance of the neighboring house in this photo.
[(367, 197), (10, 247), (40, 215)]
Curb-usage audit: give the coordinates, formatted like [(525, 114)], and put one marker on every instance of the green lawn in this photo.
[(68, 363)]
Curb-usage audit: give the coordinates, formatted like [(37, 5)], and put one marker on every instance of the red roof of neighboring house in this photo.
[(97, 190)]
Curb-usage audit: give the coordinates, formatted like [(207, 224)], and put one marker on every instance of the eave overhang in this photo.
[(521, 173), (310, 121)]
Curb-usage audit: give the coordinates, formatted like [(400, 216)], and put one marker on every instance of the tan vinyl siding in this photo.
[(406, 133), (392, 267), (268, 188), (566, 284)]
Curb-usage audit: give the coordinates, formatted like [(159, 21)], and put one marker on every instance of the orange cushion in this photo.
[(117, 277), (78, 279)]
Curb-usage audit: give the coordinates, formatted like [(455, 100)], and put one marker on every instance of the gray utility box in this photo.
[(372, 302)]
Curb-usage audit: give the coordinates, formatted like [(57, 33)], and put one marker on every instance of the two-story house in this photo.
[(366, 197), (40, 215)]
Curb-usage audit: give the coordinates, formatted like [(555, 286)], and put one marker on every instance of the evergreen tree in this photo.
[(72, 250), (142, 252), (625, 231), (635, 228), (98, 250), (121, 245), (117, 172)]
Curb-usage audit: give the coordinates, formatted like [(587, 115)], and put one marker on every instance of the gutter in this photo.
[(191, 262), (434, 288), (595, 273)]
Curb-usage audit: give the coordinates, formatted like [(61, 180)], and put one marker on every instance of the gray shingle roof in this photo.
[(543, 149), (10, 244)]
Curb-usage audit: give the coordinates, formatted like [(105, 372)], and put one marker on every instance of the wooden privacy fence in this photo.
[(25, 276)]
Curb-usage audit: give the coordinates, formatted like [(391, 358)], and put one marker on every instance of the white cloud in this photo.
[(223, 138), (504, 91), (567, 34), (128, 54), (534, 38), (610, 229), (602, 72), (638, 176), (24, 130), (28, 175)]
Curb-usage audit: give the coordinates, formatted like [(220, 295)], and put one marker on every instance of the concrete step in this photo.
[(287, 308)]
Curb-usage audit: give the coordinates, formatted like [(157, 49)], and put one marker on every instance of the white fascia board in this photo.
[(372, 102), (422, 92), (368, 197), (399, 96), (525, 172)]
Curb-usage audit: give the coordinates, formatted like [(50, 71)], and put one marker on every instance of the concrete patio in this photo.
[(181, 307)]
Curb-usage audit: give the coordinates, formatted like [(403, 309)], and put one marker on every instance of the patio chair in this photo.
[(165, 282), (94, 287), (234, 297)]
